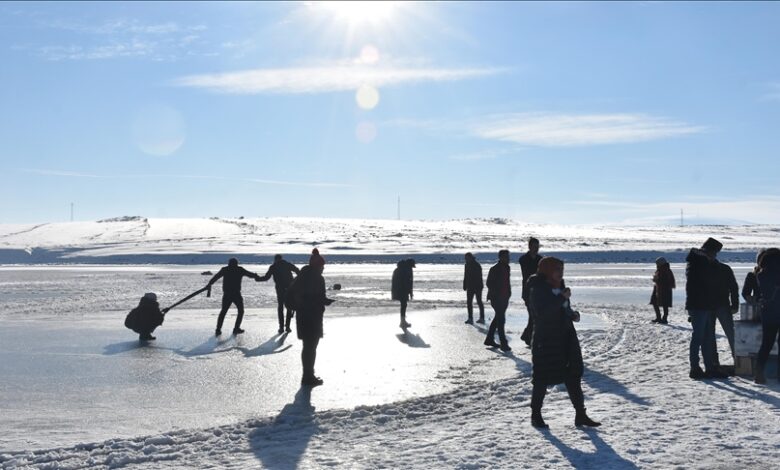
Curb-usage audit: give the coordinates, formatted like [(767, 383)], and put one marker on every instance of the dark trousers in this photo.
[(404, 302), (769, 336), (308, 356), (529, 327), (499, 320), (227, 300), (470, 294), (280, 293), (703, 324), (573, 386)]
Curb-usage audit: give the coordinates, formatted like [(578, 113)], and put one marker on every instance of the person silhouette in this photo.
[(310, 300), (529, 262), (499, 292), (472, 284), (232, 275), (403, 286), (282, 272)]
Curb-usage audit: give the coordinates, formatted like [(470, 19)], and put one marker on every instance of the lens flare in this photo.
[(367, 97), (158, 130)]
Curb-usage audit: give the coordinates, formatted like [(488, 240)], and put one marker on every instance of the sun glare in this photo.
[(358, 12)]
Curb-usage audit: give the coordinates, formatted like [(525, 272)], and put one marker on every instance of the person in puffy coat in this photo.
[(663, 283), (145, 317), (309, 289), (555, 348), (769, 289)]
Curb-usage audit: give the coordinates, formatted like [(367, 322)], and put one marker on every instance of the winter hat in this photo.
[(411, 262), (547, 266), (233, 262), (151, 296), (661, 261), (316, 260), (712, 245)]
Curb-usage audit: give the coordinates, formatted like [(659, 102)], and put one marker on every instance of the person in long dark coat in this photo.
[(472, 284), (555, 348), (145, 317), (402, 287), (499, 291), (663, 283), (529, 262), (231, 292), (310, 287), (769, 289), (282, 272)]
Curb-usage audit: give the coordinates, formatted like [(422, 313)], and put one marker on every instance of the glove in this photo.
[(165, 310)]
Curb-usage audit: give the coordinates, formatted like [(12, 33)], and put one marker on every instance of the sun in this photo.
[(357, 12)]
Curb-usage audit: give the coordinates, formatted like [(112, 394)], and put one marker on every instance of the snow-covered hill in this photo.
[(185, 241)]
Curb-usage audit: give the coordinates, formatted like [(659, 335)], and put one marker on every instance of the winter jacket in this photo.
[(145, 317), (701, 284), (727, 294), (311, 307), (528, 266), (282, 272), (403, 281), (232, 275), (472, 276), (750, 288), (664, 282), (769, 288), (498, 282), (555, 348)]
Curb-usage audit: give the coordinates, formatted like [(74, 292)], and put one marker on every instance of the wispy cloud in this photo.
[(572, 130), (73, 174), (487, 154), (120, 38), (323, 79)]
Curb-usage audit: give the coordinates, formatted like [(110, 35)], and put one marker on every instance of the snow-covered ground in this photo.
[(78, 392), (141, 240)]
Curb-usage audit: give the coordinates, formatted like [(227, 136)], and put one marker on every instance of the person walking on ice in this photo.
[(499, 292), (403, 286), (472, 284), (663, 283), (282, 272), (232, 275)]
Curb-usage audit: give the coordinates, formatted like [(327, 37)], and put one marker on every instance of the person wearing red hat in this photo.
[(309, 291)]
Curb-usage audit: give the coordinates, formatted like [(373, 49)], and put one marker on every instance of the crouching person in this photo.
[(145, 317)]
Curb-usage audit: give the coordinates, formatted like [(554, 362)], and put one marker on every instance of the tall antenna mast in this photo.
[(399, 207), (71, 212), (682, 221)]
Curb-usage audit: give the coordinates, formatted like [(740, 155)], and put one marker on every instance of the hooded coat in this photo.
[(498, 282), (310, 287), (403, 281), (145, 317), (555, 348), (702, 282), (664, 282), (472, 276)]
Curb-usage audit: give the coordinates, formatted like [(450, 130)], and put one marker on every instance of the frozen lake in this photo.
[(72, 373)]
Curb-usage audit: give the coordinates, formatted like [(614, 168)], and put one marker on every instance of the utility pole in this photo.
[(71, 212), (399, 207), (682, 222)]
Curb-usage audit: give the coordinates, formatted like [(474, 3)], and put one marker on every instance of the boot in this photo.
[(665, 320), (481, 320), (760, 377), (237, 331), (311, 381), (582, 419), (536, 419), (696, 373), (470, 321), (217, 332)]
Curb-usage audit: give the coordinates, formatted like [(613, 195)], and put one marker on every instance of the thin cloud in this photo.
[(484, 154), (324, 79), (574, 130), (72, 174)]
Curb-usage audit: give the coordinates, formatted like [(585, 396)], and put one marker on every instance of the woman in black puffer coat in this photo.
[(555, 348)]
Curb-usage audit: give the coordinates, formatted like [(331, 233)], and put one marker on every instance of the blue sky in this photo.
[(543, 112)]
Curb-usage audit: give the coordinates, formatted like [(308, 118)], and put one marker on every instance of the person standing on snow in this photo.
[(750, 287), (529, 262), (555, 348), (402, 288), (282, 272), (307, 294), (663, 284), (499, 292), (701, 286), (472, 284), (769, 290), (231, 292), (726, 305)]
